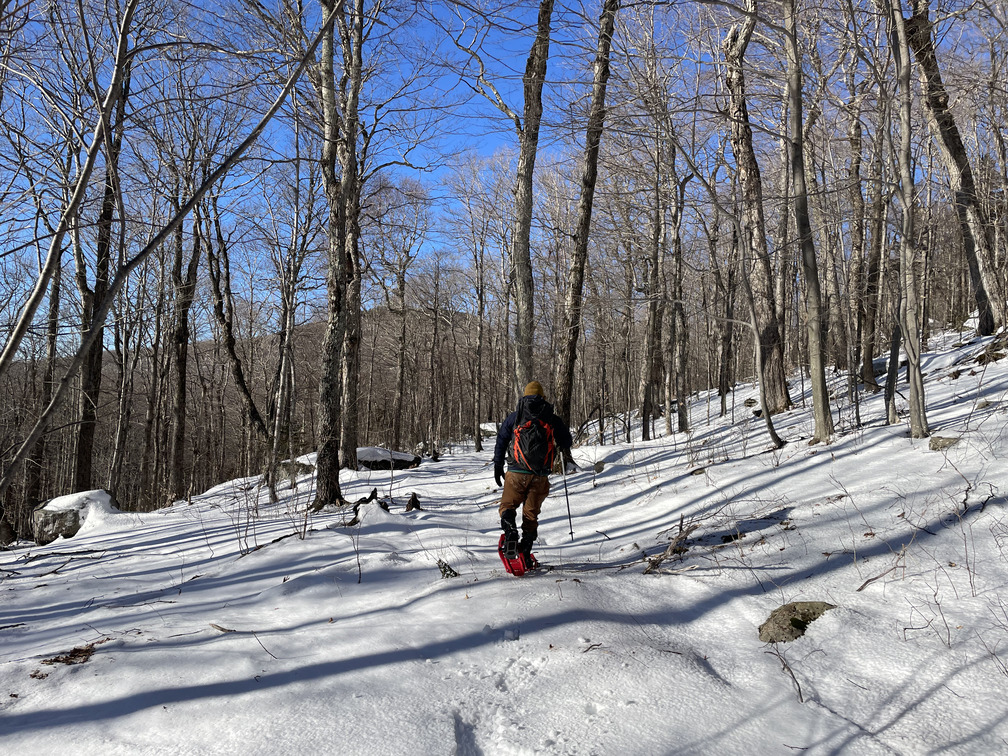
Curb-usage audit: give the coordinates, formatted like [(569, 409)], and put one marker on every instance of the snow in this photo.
[(86, 501), (377, 454), (96, 509), (218, 628)]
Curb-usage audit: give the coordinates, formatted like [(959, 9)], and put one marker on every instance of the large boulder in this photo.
[(789, 621), (376, 458), (64, 515)]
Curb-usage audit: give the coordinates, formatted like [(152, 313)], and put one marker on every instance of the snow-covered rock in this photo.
[(64, 515), (376, 458)]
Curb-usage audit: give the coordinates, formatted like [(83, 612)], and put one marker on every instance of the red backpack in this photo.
[(532, 447)]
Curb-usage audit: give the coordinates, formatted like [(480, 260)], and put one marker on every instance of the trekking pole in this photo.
[(567, 496)]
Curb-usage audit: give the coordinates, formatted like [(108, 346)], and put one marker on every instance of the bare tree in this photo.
[(340, 99), (571, 329), (810, 269), (155, 243), (112, 94), (770, 348), (977, 244), (909, 303), (527, 127)]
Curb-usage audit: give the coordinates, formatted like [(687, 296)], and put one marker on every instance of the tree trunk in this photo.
[(753, 225), (973, 221), (535, 76), (219, 267), (784, 273), (40, 454), (856, 313), (432, 407), (650, 364), (148, 472), (185, 289), (91, 371), (879, 202), (339, 149), (803, 225), (909, 309), (349, 432), (680, 331), (571, 330), (724, 322), (127, 328), (397, 412)]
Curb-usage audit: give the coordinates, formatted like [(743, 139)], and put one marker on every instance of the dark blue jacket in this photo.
[(540, 408)]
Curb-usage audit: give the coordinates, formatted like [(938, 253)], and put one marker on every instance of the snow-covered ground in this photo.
[(230, 625)]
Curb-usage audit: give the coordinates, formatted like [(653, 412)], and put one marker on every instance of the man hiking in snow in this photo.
[(531, 437)]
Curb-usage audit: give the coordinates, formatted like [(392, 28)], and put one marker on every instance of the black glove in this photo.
[(498, 473)]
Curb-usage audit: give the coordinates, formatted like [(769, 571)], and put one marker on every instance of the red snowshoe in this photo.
[(513, 564), (518, 564)]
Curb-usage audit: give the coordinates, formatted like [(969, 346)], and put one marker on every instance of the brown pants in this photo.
[(525, 490)]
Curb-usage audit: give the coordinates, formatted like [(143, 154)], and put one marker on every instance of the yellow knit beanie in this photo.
[(534, 389)]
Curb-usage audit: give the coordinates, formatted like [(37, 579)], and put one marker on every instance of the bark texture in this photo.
[(521, 257), (753, 224), (813, 294), (571, 331)]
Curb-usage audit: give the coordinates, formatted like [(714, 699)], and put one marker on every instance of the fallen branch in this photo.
[(675, 548), (261, 644), (882, 574), (787, 668)]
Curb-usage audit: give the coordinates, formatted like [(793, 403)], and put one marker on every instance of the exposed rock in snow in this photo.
[(788, 622), (941, 443), (64, 515), (376, 458)]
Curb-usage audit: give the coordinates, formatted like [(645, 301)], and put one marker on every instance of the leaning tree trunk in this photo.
[(571, 331), (219, 267), (535, 76), (214, 177), (70, 212), (810, 269), (768, 332), (977, 244)]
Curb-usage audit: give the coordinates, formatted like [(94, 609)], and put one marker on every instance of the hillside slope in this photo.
[(215, 627)]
